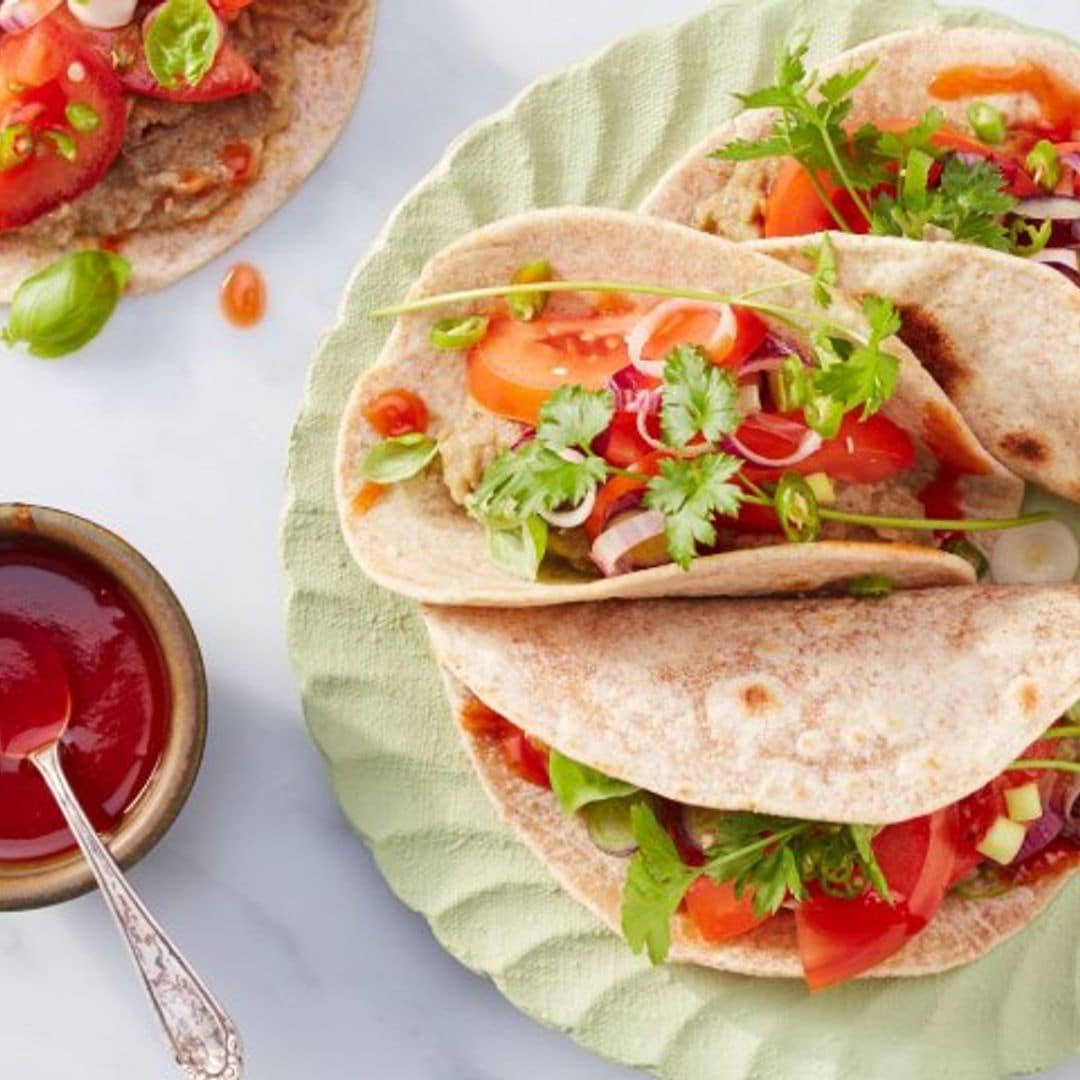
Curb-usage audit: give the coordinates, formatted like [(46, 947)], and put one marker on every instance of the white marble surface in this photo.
[(172, 429)]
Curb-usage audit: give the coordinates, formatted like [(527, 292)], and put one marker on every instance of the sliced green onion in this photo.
[(1053, 764), (525, 306), (1024, 803), (789, 385), (1044, 164), (16, 145), (797, 508), (987, 122), (82, 117), (1003, 840), (1064, 731), (458, 333), (974, 555), (871, 587), (64, 143)]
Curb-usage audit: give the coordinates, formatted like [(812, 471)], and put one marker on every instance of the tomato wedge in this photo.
[(841, 938), (794, 208), (519, 365), (528, 760), (47, 158), (715, 911)]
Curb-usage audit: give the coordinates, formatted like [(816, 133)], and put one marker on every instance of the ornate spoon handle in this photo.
[(204, 1040)]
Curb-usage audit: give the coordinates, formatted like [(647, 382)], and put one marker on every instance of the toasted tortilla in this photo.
[(418, 541), (329, 79), (997, 332), (534, 667)]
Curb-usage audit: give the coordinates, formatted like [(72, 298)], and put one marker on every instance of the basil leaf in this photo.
[(518, 548), (576, 785), (182, 42), (64, 306), (399, 458)]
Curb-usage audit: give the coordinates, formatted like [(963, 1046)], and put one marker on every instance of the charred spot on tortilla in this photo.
[(921, 333), (756, 698), (1029, 697), (1026, 445)]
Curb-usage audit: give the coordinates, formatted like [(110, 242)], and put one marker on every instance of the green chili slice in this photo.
[(797, 508), (824, 415), (789, 385), (987, 122), (871, 586), (525, 306), (1044, 164), (967, 550), (458, 333)]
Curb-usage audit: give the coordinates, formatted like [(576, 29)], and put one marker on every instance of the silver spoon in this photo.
[(204, 1040)]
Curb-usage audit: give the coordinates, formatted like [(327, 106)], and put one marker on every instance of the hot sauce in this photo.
[(119, 692), (397, 412), (1058, 100), (243, 296), (368, 495)]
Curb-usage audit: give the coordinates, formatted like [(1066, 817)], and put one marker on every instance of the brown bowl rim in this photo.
[(44, 882)]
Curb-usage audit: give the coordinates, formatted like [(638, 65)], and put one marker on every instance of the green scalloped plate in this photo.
[(375, 705)]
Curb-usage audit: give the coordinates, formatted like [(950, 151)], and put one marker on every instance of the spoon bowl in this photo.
[(35, 696)]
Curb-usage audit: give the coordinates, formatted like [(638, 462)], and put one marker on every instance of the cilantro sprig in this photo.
[(900, 183), (773, 858)]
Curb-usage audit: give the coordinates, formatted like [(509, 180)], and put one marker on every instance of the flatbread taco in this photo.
[(721, 790), (946, 166), (164, 131), (577, 404)]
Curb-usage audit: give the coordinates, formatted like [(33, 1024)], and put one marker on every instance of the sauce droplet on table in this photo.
[(244, 296)]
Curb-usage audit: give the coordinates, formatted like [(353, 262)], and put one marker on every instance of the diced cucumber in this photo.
[(1024, 803), (1003, 840), (609, 824)]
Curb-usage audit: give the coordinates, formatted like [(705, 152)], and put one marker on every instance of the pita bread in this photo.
[(535, 668), (419, 542), (328, 84), (997, 332)]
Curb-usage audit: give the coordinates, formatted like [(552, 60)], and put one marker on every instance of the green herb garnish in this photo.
[(700, 399), (576, 785), (399, 458)]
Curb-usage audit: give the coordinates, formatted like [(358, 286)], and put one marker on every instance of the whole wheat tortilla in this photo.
[(419, 542), (328, 83), (830, 709), (902, 655), (997, 332)]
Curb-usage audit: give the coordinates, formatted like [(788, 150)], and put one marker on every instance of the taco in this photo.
[(650, 412), (955, 192), (170, 134), (723, 791)]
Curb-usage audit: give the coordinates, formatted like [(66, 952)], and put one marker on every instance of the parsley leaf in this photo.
[(699, 398), (576, 785), (860, 374), (532, 478), (574, 416), (824, 273), (655, 886), (689, 492)]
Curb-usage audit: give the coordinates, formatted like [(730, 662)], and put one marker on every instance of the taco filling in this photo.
[(1001, 177), (856, 894), (140, 116), (620, 431)]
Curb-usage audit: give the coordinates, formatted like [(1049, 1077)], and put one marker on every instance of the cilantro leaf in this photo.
[(824, 274), (576, 785), (523, 482), (574, 416), (699, 398), (689, 492), (860, 374), (655, 886)]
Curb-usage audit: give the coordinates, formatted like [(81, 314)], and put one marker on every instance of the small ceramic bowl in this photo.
[(41, 882)]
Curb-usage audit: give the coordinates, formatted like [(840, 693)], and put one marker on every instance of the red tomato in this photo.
[(717, 914), (841, 938), (613, 491), (749, 334), (794, 208), (864, 452), (42, 72), (397, 412), (526, 758), (697, 325), (623, 444), (229, 9), (519, 365)]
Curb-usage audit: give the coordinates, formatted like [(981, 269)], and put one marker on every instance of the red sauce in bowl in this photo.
[(120, 699)]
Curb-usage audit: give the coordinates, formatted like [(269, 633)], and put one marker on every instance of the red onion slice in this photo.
[(18, 15), (1059, 256), (811, 442), (1039, 834), (613, 544), (571, 519), (642, 331), (766, 363), (1053, 207)]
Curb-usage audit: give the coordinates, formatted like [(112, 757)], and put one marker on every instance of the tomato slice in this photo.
[(863, 452), (528, 759), (841, 938), (397, 412), (229, 9), (715, 911), (622, 443), (519, 365), (794, 208), (36, 77)]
